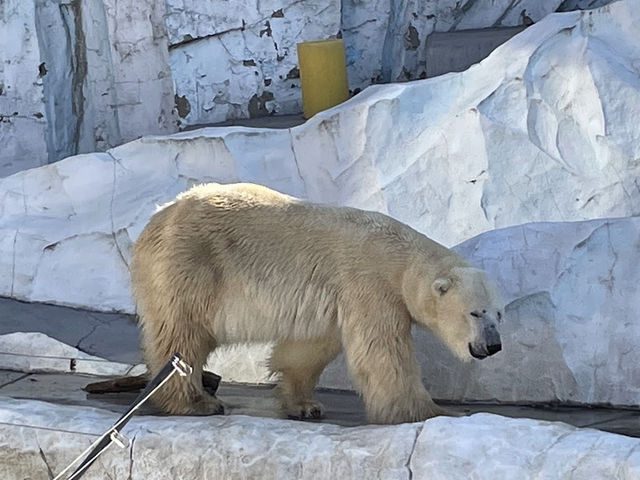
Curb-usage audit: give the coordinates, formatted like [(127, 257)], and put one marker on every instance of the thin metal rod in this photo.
[(113, 428)]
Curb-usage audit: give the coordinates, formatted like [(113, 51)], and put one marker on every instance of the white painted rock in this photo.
[(571, 331), (37, 352), (21, 91), (242, 63), (482, 446), (242, 363), (232, 65), (504, 143), (386, 40), (486, 446), (79, 79)]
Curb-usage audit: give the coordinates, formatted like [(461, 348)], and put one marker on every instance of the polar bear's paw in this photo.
[(305, 410), (205, 405)]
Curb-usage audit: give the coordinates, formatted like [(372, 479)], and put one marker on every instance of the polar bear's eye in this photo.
[(499, 316)]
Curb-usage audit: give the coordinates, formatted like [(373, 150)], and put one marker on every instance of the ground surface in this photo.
[(115, 337), (275, 121)]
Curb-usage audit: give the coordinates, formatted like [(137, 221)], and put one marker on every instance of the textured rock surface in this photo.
[(521, 145), (142, 84), (485, 446), (386, 40), (22, 123), (37, 437), (505, 142), (243, 63), (108, 335), (83, 75), (80, 76), (36, 352), (74, 204), (571, 330)]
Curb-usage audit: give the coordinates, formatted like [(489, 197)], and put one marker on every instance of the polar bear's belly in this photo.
[(250, 313)]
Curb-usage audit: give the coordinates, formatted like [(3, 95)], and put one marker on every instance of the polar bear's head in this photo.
[(461, 307)]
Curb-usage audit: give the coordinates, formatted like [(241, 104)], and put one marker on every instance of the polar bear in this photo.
[(239, 263)]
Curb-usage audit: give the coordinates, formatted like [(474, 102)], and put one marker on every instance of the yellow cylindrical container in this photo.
[(323, 75)]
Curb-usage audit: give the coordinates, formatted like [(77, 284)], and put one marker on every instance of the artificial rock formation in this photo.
[(543, 130), (40, 439), (507, 142)]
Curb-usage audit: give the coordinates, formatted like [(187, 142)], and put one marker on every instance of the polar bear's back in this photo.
[(252, 215)]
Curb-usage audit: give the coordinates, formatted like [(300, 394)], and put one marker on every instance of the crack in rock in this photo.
[(507, 11), (44, 459), (413, 449), (133, 439), (609, 282), (258, 23), (113, 230), (84, 337), (623, 463), (72, 13), (584, 455), (538, 461), (295, 160), (21, 377), (13, 264)]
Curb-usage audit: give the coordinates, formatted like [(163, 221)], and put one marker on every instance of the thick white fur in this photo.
[(242, 263)]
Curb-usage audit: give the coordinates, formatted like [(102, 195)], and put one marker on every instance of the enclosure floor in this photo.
[(274, 121), (115, 337)]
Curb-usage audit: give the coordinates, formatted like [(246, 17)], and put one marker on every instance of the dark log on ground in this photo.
[(210, 382)]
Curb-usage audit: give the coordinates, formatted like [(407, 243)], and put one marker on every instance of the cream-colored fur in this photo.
[(241, 263)]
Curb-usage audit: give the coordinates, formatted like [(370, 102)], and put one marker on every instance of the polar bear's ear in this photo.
[(442, 285)]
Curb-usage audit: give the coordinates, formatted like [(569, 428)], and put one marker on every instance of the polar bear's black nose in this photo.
[(488, 342), (492, 338), (495, 348)]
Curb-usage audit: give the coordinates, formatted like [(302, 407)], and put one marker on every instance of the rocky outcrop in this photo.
[(37, 352), (79, 76), (571, 336), (507, 142), (242, 64), (85, 75), (40, 439)]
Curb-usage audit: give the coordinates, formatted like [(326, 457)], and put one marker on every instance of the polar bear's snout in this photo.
[(488, 341)]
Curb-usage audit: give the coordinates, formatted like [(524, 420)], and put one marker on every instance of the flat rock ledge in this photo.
[(39, 439), (37, 352)]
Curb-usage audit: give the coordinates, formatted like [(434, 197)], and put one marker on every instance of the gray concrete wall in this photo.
[(457, 51)]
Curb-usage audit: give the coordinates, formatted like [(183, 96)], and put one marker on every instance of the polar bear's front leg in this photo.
[(379, 352)]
